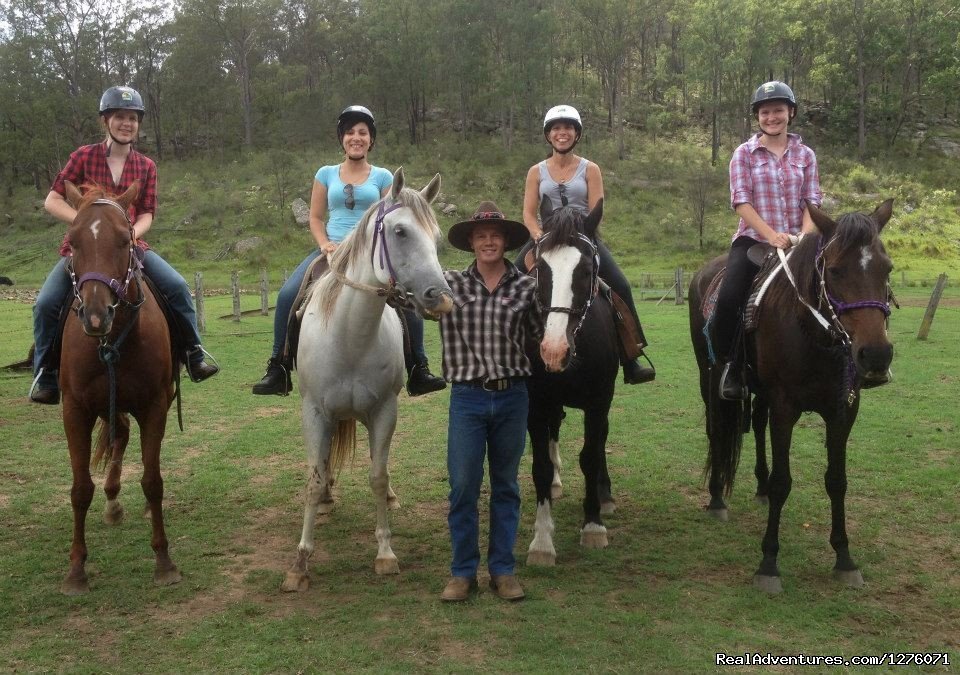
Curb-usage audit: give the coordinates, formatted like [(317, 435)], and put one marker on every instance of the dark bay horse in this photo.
[(820, 338), (116, 361), (574, 365)]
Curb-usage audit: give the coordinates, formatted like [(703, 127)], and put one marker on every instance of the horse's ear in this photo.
[(128, 197), (397, 183), (823, 222), (882, 214), (432, 190), (546, 209), (592, 222), (72, 195)]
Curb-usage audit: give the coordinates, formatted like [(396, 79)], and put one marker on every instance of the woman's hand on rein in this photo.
[(328, 248)]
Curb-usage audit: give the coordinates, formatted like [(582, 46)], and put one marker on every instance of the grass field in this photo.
[(671, 591)]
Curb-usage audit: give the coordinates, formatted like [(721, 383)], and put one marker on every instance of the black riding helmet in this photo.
[(121, 98), (350, 116), (774, 91)]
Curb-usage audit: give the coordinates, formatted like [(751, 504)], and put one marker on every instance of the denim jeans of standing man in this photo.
[(492, 425)]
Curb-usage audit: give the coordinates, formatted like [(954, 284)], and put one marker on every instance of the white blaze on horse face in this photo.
[(95, 228), (562, 261), (865, 257)]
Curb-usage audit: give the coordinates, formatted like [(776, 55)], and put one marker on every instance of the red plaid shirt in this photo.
[(778, 190), (88, 164)]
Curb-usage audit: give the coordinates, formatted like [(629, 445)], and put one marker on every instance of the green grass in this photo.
[(672, 589)]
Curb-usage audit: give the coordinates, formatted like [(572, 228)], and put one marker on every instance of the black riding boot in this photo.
[(732, 387), (421, 381), (636, 373), (275, 381)]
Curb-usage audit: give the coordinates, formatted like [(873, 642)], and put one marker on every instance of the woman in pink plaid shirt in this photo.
[(773, 177)]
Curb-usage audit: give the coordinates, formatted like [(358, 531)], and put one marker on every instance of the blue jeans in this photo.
[(288, 294), (492, 423), (57, 291)]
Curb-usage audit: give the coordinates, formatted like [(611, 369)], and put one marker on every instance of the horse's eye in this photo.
[(399, 231), (835, 272)]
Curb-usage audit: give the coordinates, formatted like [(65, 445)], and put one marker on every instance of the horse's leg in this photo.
[(317, 435), (593, 534), (835, 479), (608, 504), (153, 424), (761, 415), (556, 486), (782, 419), (383, 422), (113, 511), (78, 427), (541, 550)]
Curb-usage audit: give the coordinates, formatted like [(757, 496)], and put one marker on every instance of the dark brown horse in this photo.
[(820, 338), (116, 360)]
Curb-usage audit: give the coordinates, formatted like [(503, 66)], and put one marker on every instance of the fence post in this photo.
[(235, 289), (198, 302), (678, 284), (264, 293), (932, 307)]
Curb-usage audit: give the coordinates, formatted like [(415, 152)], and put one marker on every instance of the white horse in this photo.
[(350, 360)]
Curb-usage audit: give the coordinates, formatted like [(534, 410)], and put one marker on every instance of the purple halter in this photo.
[(378, 233), (118, 287)]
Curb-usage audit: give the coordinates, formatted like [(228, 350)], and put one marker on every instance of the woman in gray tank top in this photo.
[(570, 180)]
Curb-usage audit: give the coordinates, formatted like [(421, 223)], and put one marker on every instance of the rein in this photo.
[(575, 312)]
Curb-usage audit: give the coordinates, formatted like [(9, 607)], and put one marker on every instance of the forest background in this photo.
[(241, 99)]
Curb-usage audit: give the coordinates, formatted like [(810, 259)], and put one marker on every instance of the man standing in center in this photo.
[(483, 356)]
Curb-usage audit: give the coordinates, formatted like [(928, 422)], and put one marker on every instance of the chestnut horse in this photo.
[(820, 338), (116, 361)]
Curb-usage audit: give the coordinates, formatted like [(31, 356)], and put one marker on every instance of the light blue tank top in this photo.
[(340, 219), (575, 189)]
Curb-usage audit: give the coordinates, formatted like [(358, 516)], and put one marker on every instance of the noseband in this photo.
[(119, 288), (576, 312)]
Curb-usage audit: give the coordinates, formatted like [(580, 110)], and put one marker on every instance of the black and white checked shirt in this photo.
[(484, 335)]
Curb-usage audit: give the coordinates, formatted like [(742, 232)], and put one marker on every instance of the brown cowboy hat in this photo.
[(488, 213)]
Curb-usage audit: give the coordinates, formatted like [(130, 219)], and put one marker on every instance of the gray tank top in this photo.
[(575, 189)]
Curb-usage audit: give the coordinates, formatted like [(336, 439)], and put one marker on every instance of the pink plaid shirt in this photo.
[(88, 164), (778, 190)]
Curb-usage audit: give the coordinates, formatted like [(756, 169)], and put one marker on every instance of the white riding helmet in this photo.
[(565, 113)]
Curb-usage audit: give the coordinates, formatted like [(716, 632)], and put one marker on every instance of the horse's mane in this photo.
[(853, 230), (563, 225), (356, 246)]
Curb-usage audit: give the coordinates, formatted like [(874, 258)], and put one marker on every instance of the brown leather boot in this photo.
[(459, 589), (507, 587)]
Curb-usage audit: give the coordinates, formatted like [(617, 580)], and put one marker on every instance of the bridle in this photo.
[(394, 289), (117, 287), (576, 312)]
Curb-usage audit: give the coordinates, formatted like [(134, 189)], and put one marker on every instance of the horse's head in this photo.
[(854, 271), (101, 238), (405, 245), (566, 269)]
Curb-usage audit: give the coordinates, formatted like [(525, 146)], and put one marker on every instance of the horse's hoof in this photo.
[(608, 508), (556, 491), (849, 578), (167, 577), (719, 514), (386, 566), (762, 500), (74, 587), (593, 536), (393, 503), (541, 558), (295, 582), (325, 508), (767, 584), (113, 513)]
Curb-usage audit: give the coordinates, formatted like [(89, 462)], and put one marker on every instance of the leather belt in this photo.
[(493, 385)]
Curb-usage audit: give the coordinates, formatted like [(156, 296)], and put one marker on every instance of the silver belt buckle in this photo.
[(496, 385)]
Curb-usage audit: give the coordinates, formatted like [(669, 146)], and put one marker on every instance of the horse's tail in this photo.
[(726, 422), (104, 453), (343, 445)]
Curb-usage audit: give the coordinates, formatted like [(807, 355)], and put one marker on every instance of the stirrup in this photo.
[(206, 355)]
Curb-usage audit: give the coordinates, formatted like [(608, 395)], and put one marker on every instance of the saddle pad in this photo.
[(751, 312), (709, 304)]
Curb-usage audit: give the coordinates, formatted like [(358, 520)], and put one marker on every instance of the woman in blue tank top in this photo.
[(570, 180), (341, 195)]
